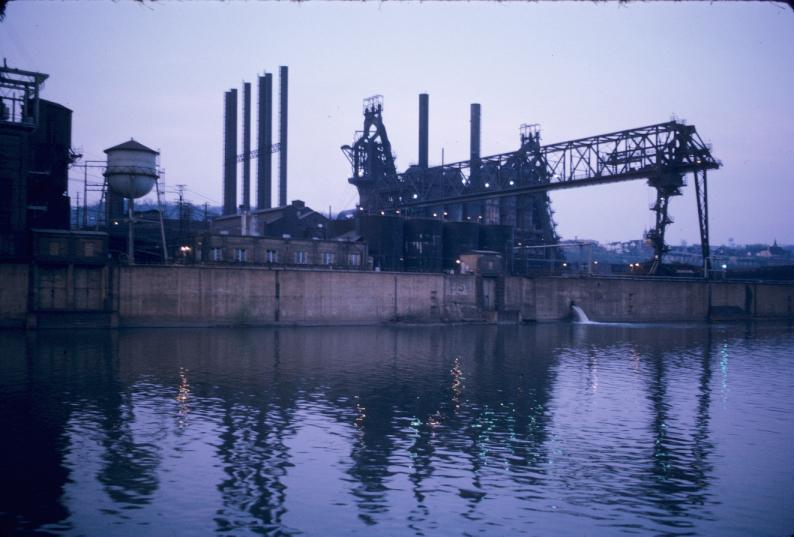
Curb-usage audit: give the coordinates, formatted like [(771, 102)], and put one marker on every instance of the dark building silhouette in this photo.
[(34, 164)]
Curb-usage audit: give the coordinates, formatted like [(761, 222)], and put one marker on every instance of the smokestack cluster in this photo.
[(264, 145)]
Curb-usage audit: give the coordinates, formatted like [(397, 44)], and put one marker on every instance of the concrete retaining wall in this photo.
[(13, 294), (648, 300), (617, 300), (205, 295), (163, 296)]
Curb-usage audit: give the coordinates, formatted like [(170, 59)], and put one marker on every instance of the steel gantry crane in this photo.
[(510, 187)]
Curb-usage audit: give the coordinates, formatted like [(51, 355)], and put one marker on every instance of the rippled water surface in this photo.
[(542, 430)]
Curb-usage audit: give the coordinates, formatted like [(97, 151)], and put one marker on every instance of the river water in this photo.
[(548, 429)]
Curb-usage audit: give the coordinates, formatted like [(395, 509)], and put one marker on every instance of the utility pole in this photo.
[(181, 193), (85, 194)]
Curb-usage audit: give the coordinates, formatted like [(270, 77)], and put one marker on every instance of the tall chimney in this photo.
[(474, 137), (474, 143), (230, 154), (282, 127), (424, 111), (264, 187), (246, 146)]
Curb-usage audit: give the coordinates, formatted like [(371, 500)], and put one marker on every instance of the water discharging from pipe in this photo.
[(579, 316)]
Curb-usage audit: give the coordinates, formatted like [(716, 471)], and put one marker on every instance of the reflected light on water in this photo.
[(182, 397), (457, 383), (508, 430), (724, 371)]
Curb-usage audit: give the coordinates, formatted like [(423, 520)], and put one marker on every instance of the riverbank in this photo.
[(125, 296)]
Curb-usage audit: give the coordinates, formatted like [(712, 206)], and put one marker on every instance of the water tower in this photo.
[(132, 173)]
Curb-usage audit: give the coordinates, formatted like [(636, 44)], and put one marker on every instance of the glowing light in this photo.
[(512, 183), (416, 196), (457, 261), (724, 266), (487, 185), (382, 213)]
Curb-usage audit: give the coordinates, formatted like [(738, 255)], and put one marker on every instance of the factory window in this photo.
[(239, 255), (328, 258), (271, 256), (354, 260), (300, 257), (216, 254)]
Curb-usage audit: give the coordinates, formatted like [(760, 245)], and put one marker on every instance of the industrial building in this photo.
[(510, 190), (216, 249), (35, 153), (435, 236), (291, 221)]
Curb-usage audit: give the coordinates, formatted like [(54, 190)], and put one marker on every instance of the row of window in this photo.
[(300, 257)]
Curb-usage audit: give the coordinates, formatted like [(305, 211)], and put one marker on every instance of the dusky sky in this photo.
[(157, 72)]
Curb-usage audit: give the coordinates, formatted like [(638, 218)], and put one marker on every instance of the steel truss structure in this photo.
[(19, 96), (504, 188), (274, 148)]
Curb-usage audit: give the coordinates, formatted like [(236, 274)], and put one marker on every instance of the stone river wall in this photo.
[(208, 296)]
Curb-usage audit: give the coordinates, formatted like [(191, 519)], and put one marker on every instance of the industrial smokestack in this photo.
[(230, 154), (264, 187), (474, 152), (246, 146), (282, 127), (424, 111), (474, 209)]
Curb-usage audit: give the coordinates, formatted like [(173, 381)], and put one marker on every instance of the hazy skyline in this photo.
[(157, 72)]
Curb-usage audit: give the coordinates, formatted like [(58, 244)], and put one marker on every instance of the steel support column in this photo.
[(656, 235), (701, 193)]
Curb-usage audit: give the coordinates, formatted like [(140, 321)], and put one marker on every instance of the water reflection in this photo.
[(414, 430), (681, 471)]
